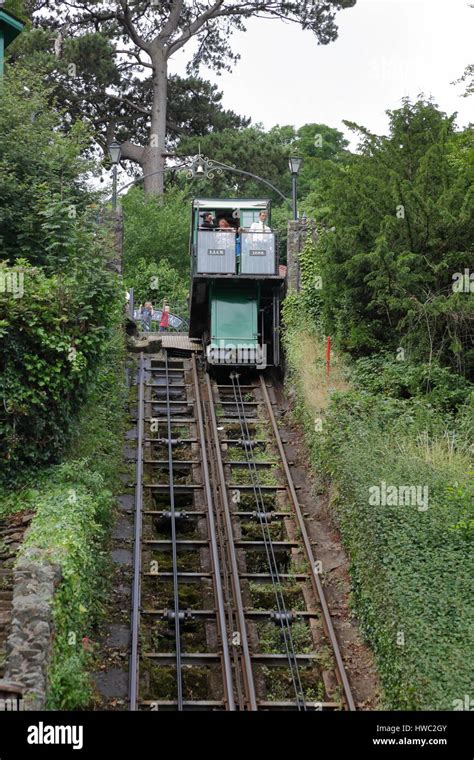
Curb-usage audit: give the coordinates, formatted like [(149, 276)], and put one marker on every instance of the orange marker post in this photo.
[(328, 356)]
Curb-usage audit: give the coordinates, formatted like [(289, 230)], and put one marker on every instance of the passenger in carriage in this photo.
[(260, 226), (225, 226), (207, 221)]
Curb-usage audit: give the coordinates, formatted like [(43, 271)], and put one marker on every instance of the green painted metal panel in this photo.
[(10, 26), (234, 317)]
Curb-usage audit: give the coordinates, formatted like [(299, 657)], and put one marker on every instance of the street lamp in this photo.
[(115, 151), (294, 164)]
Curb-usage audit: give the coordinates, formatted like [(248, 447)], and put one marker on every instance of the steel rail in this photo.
[(241, 689), (269, 546), (136, 590), (232, 620), (177, 628), (269, 549), (314, 576), (221, 619), (247, 661)]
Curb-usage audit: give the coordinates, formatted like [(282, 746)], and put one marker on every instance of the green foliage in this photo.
[(396, 227), (397, 551), (108, 92), (468, 79), (17, 7), (272, 640), (436, 385), (194, 104), (156, 229), (279, 223), (42, 191), (68, 525), (53, 323), (73, 503), (410, 567), (266, 154), (50, 342), (322, 149), (309, 299), (154, 281), (250, 150)]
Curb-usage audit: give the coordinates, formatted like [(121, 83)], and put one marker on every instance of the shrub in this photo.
[(395, 229), (156, 229), (73, 503), (155, 280), (410, 567), (50, 341), (43, 193)]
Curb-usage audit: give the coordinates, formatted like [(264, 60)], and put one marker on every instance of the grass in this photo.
[(307, 359), (438, 451), (410, 569)]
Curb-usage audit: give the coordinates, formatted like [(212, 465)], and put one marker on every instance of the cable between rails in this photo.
[(177, 627), (271, 559)]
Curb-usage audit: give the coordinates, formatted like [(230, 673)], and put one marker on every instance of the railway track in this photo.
[(228, 607)]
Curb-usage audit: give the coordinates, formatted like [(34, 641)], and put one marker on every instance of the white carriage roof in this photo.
[(220, 203)]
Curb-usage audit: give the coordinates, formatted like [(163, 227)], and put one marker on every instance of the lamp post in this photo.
[(115, 151), (294, 164)]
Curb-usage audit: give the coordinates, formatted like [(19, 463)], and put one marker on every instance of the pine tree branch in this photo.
[(126, 21), (135, 106)]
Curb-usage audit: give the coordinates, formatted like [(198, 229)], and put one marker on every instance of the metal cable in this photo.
[(272, 563), (179, 675)]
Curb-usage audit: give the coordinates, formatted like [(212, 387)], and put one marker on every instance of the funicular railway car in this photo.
[(236, 282)]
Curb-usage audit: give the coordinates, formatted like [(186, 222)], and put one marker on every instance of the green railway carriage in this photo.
[(236, 282)]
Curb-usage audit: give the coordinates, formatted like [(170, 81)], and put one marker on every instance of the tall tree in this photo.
[(145, 35), (265, 154), (396, 240), (84, 76)]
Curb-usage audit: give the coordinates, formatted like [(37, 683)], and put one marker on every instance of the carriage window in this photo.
[(247, 217)]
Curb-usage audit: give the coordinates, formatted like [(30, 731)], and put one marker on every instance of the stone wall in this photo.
[(30, 640), (298, 232)]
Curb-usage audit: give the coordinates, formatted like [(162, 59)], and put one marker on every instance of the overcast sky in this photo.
[(386, 49)]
